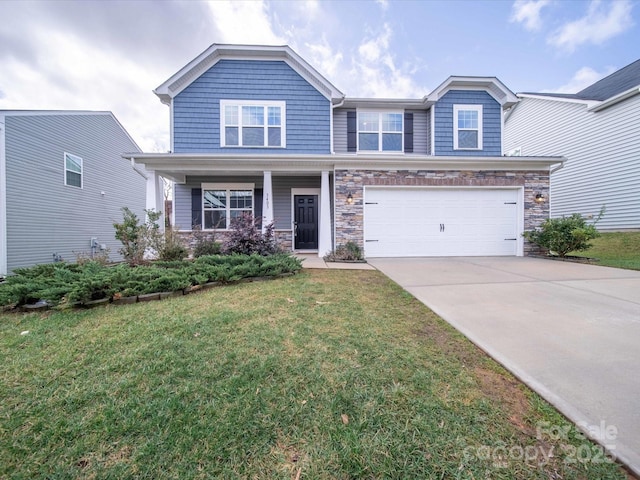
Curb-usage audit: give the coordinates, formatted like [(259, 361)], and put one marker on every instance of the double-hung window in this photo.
[(252, 124), (222, 202), (467, 127), (72, 170), (379, 131)]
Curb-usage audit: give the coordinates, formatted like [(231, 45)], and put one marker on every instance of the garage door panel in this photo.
[(440, 222)]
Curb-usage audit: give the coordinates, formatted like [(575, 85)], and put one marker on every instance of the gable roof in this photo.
[(616, 83), (49, 113), (614, 88), (494, 87), (216, 52)]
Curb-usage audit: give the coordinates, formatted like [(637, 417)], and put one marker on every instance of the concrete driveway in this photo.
[(570, 331)]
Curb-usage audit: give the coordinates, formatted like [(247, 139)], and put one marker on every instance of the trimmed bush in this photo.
[(563, 235), (67, 284), (349, 252), (246, 238)]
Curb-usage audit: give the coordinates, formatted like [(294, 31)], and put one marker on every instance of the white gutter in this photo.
[(613, 100), (201, 163), (541, 96)]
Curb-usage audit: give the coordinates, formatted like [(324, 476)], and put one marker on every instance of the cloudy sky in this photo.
[(111, 54)]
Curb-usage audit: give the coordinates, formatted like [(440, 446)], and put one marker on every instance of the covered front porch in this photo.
[(207, 196)]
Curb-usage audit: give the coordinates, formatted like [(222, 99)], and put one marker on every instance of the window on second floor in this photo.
[(467, 127), (252, 124), (72, 170), (380, 131)]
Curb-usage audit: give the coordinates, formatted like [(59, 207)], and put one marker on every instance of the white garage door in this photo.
[(413, 222)]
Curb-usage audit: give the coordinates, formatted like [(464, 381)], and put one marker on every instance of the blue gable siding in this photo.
[(196, 110), (491, 122)]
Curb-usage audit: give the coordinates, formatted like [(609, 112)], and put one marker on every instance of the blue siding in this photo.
[(491, 113), (196, 110)]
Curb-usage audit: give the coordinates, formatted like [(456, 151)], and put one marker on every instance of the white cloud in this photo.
[(384, 4), (324, 58), (582, 79), (244, 22), (73, 75), (602, 21), (374, 72), (527, 12)]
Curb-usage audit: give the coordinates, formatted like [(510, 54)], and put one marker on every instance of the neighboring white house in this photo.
[(63, 182), (598, 131)]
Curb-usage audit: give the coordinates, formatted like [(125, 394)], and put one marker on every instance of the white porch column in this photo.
[(324, 230), (267, 201), (155, 195)]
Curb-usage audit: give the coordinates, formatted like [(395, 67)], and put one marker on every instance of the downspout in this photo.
[(333, 107), (135, 167), (332, 222)]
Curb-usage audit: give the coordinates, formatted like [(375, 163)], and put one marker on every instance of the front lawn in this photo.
[(615, 249), (323, 375)]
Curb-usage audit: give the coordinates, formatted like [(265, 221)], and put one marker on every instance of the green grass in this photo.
[(324, 375), (615, 249)]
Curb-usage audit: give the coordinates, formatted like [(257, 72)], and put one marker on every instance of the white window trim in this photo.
[(380, 131), (228, 187), (254, 103), (76, 157), (456, 109)]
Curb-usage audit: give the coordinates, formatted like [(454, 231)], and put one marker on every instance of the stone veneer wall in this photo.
[(349, 218), (284, 238)]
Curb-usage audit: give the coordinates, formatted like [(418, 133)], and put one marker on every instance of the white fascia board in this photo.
[(46, 113), (216, 52), (177, 165), (615, 99), (494, 87), (542, 96)]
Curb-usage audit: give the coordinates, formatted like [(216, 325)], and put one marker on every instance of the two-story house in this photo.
[(257, 129), (63, 182), (598, 131)]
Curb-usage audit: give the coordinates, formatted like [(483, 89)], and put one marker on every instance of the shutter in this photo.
[(196, 208), (352, 131), (408, 133), (257, 205)]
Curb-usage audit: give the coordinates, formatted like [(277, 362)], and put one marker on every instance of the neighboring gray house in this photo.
[(62, 183), (598, 131)]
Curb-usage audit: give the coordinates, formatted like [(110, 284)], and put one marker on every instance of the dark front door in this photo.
[(305, 222)]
